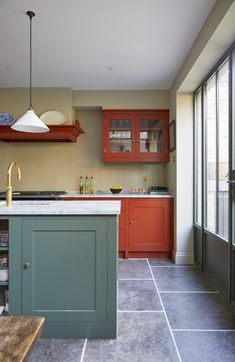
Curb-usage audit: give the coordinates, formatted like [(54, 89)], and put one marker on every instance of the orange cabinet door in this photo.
[(152, 136), (118, 137), (149, 225)]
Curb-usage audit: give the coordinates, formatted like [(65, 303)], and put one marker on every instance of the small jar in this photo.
[(3, 262), (4, 238)]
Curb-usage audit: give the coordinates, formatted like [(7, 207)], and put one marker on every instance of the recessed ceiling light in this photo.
[(108, 67)]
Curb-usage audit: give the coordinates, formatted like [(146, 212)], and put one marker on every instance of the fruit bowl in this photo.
[(116, 189)]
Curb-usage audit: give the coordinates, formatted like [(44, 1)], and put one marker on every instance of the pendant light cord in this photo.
[(31, 14)]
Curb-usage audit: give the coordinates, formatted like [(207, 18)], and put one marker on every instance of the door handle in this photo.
[(26, 265), (230, 181)]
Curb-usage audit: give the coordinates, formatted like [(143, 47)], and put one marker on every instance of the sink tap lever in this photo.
[(9, 185)]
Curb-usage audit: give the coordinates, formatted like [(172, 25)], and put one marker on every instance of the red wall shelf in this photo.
[(67, 133)]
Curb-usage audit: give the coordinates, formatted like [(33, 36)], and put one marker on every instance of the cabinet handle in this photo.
[(131, 222), (133, 140), (26, 265)]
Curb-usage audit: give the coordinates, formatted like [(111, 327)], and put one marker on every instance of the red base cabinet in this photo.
[(149, 225), (145, 226)]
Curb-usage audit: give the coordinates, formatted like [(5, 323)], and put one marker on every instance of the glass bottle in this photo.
[(86, 185), (81, 186), (91, 185)]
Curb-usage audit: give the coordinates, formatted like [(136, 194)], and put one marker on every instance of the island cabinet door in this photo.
[(65, 274)]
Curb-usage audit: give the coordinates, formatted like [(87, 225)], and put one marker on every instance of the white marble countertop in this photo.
[(120, 195), (61, 208)]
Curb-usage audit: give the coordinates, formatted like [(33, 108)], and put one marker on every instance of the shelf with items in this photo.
[(3, 248), (64, 133), (4, 252), (3, 283)]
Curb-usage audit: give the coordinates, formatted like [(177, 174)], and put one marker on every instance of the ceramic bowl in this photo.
[(115, 191)]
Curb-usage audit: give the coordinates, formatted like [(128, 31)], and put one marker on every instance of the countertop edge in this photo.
[(116, 196), (62, 208)]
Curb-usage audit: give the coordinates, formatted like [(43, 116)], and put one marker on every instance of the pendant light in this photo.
[(30, 122)]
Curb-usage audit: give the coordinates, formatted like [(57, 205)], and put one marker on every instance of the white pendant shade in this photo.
[(30, 122)]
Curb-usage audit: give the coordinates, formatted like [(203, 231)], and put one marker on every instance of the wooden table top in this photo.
[(17, 336)]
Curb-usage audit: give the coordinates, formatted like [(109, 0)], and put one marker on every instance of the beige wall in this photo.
[(16, 101), (59, 165), (122, 99)]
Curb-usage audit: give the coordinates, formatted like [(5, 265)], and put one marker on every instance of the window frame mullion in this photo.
[(217, 151)]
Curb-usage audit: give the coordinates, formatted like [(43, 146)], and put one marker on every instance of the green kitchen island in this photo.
[(62, 265)]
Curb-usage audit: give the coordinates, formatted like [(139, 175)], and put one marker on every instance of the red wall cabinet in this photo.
[(135, 136)]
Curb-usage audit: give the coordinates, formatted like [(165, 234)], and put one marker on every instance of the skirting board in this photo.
[(183, 258)]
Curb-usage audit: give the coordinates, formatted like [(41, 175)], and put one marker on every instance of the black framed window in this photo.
[(198, 158)]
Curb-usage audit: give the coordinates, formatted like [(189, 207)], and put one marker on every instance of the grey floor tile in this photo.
[(142, 337), (57, 350), (198, 311), (206, 346), (181, 279), (133, 269), (138, 295), (161, 261)]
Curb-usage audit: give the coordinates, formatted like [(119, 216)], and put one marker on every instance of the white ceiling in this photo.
[(144, 41)]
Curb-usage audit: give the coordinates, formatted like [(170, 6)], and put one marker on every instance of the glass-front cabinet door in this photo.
[(120, 135), (152, 135), (135, 136)]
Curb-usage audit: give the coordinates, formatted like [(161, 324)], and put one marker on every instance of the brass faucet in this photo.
[(9, 186)]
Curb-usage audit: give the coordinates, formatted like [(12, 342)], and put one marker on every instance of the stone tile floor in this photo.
[(165, 313)]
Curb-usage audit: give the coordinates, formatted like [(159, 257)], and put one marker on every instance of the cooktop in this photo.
[(34, 195)]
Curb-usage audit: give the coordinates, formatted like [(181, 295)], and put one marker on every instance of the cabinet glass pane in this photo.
[(151, 135), (120, 135)]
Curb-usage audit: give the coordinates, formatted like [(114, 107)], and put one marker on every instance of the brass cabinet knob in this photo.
[(131, 222), (26, 265)]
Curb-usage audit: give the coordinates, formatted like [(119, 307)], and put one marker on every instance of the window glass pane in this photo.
[(232, 151), (210, 107), (223, 125), (198, 158)]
